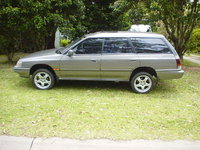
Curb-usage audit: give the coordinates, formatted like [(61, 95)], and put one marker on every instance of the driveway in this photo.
[(24, 143), (193, 58)]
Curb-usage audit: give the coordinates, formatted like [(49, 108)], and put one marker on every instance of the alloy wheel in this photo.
[(143, 83), (42, 80)]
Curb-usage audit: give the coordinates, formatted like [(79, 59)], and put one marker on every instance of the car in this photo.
[(140, 28), (138, 58)]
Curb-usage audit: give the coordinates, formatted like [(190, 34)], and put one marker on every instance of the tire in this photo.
[(142, 82), (43, 79)]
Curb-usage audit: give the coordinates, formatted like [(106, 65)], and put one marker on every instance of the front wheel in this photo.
[(142, 82), (43, 79)]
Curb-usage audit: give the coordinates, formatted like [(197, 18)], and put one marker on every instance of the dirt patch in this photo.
[(186, 68)]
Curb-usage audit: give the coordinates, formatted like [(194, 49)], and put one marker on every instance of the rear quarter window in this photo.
[(150, 45)]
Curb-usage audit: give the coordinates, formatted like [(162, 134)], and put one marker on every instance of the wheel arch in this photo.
[(149, 70), (41, 66)]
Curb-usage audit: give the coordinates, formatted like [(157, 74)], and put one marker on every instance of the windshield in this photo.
[(72, 43), (62, 49)]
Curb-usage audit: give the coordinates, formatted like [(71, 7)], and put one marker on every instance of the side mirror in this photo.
[(70, 53)]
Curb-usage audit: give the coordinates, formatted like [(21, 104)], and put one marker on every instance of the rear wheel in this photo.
[(43, 79), (142, 82)]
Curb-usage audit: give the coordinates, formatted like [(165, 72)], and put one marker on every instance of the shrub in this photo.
[(64, 42), (193, 45)]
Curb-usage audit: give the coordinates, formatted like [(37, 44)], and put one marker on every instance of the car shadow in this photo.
[(162, 86), (89, 85)]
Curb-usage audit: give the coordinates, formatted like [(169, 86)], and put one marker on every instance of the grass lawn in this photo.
[(85, 110)]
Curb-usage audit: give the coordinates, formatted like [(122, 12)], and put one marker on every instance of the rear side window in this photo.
[(117, 45), (150, 45), (89, 46)]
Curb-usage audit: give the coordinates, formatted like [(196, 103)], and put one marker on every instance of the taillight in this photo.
[(178, 62)]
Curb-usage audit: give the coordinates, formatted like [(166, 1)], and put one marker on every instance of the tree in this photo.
[(99, 16), (193, 45), (179, 18), (134, 10), (30, 25), (9, 33)]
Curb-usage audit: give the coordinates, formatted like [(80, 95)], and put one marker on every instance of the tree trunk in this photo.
[(50, 38), (179, 50), (10, 51), (50, 41), (180, 55), (10, 57)]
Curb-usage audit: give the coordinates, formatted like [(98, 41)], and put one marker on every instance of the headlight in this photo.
[(19, 63)]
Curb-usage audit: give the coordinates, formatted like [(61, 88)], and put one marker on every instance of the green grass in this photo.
[(85, 110)]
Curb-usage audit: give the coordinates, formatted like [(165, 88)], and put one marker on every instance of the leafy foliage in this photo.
[(28, 25), (135, 10), (97, 17), (194, 43), (64, 42), (179, 17)]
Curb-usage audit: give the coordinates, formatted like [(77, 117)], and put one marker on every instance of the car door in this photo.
[(118, 59), (85, 62)]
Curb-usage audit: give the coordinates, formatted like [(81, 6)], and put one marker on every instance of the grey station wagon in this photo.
[(138, 58)]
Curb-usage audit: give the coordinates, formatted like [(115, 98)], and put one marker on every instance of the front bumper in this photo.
[(169, 74), (23, 72)]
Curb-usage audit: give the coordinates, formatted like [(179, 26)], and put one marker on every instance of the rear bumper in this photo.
[(23, 72), (169, 74)]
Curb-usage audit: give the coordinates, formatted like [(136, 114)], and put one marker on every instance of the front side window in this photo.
[(149, 45), (89, 46), (117, 45)]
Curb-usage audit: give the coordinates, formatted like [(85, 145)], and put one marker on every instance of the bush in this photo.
[(8, 46), (193, 45), (64, 42)]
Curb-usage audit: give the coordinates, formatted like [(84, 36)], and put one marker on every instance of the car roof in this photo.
[(123, 34)]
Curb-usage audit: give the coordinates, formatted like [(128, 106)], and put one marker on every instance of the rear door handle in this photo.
[(93, 60), (132, 60)]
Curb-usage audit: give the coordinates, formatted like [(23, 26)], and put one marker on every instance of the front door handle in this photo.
[(93, 60)]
